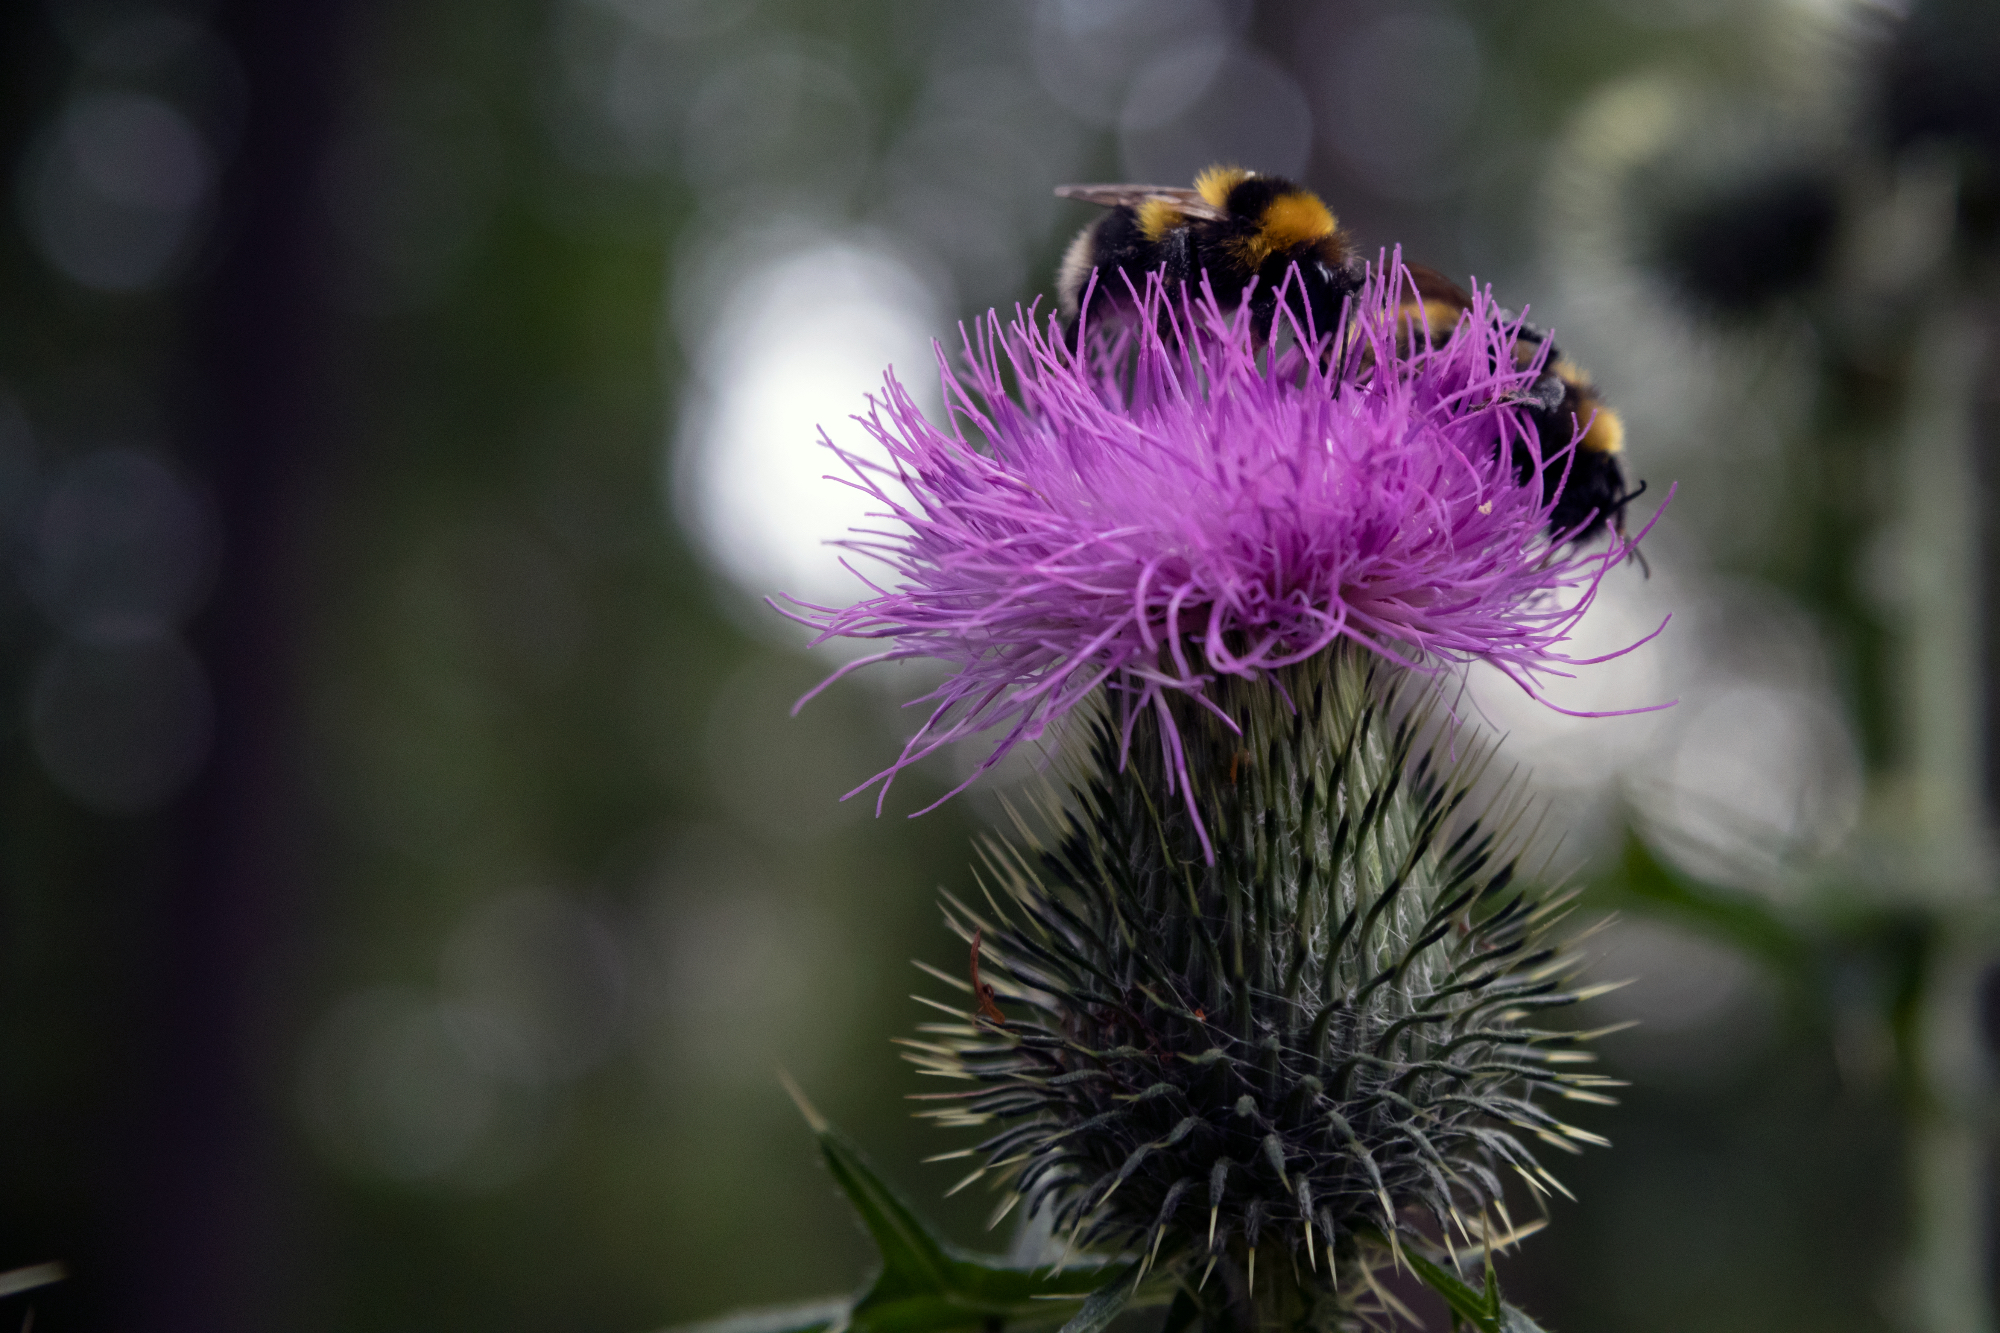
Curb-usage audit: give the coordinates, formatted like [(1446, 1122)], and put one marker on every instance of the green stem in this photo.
[(1945, 779)]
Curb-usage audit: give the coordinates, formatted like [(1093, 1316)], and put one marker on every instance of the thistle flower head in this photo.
[(1178, 501)]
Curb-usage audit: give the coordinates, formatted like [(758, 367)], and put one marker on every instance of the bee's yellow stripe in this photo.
[(1606, 434), (1294, 220), (1157, 217), (1214, 184)]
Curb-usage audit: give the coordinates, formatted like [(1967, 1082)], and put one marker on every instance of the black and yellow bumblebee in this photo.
[(1561, 402), (1236, 226), (1233, 227)]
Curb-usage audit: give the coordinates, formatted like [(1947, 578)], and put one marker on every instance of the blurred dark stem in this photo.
[(205, 1239)]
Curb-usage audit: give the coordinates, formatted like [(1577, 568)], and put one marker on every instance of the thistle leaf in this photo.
[(1481, 1309), (928, 1285), (913, 1260)]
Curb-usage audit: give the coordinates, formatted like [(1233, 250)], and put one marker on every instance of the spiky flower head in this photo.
[(1299, 1050), (1179, 501)]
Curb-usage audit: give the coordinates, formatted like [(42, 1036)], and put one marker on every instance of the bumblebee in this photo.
[(1591, 479), (1234, 226)]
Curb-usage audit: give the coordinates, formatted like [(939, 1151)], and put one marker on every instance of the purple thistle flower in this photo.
[(1177, 499)]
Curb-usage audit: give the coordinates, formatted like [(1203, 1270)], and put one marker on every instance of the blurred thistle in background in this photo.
[(412, 877)]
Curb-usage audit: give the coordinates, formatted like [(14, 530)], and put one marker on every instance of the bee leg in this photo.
[(1618, 508)]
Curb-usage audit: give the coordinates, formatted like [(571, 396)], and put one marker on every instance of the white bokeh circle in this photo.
[(799, 343)]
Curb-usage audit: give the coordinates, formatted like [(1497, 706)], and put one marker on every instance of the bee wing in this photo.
[(1187, 202), (1435, 286)]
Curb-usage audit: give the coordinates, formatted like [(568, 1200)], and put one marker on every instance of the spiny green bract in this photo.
[(1325, 1030)]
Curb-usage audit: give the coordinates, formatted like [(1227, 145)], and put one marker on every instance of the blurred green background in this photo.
[(413, 879)]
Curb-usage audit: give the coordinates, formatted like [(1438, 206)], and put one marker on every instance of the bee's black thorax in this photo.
[(1249, 198), (1236, 232), (1578, 438)]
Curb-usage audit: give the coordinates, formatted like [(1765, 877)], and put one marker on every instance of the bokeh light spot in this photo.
[(537, 987), (1246, 110), (1087, 52), (113, 195), (388, 1087), (799, 345)]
